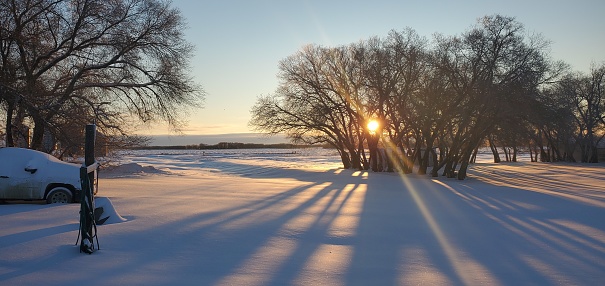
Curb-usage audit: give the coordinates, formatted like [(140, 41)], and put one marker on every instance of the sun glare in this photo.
[(373, 126)]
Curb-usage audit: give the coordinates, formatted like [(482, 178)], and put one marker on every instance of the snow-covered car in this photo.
[(32, 175)]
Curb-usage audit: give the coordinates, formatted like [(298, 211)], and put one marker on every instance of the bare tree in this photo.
[(328, 95), (84, 60), (315, 103), (492, 66), (393, 68), (586, 93), (489, 83)]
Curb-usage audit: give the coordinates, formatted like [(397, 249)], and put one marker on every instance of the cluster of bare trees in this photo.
[(66, 63), (577, 121), (436, 101)]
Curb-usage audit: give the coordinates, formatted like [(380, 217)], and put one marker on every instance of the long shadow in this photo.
[(36, 211), (47, 262), (222, 251), (546, 180), (505, 234), (314, 235), (212, 251), (508, 234), (219, 250), (454, 231), (389, 224), (519, 234), (21, 237)]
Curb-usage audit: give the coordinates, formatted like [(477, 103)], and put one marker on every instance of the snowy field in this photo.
[(274, 217)]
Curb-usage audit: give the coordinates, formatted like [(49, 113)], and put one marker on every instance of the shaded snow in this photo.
[(106, 212), (128, 169), (296, 219)]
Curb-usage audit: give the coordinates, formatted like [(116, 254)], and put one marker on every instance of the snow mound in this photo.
[(105, 213), (129, 169)]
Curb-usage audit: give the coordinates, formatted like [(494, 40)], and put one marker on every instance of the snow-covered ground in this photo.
[(273, 217)]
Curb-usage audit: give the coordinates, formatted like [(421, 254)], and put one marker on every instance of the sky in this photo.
[(239, 43)]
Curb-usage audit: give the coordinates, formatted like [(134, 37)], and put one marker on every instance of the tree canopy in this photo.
[(437, 100), (64, 63)]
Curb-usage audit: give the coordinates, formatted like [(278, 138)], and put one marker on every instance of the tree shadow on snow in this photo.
[(397, 230), (363, 228)]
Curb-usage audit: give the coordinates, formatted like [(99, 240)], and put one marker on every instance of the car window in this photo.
[(14, 160), (11, 161)]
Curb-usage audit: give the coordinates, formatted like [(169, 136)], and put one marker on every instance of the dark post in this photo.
[(87, 206), (89, 150)]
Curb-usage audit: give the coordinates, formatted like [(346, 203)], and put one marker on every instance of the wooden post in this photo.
[(89, 151), (87, 206)]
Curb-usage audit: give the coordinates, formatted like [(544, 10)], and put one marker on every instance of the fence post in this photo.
[(89, 148), (87, 206)]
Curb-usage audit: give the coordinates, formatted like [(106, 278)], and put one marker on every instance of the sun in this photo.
[(373, 126)]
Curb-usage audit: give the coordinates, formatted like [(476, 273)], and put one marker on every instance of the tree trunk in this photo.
[(38, 136), (450, 168), (346, 160), (362, 163), (408, 164), (10, 142), (494, 149), (594, 155), (543, 155), (464, 165), (474, 156), (423, 164), (344, 156), (373, 146), (440, 163), (435, 163), (506, 157)]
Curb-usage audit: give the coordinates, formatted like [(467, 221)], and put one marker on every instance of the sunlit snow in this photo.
[(292, 217)]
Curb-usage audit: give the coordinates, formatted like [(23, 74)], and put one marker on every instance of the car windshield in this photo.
[(53, 158)]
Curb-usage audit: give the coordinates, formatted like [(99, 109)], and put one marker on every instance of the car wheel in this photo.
[(59, 195)]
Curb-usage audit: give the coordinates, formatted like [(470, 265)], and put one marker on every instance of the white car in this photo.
[(32, 175)]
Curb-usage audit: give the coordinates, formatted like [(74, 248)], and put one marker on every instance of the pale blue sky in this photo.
[(240, 42)]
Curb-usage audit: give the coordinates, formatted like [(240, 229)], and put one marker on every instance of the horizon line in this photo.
[(196, 139)]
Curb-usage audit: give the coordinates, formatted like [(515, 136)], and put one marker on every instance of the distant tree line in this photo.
[(224, 145), (437, 101), (66, 63)]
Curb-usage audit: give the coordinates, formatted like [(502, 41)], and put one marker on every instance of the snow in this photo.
[(106, 212), (271, 217)]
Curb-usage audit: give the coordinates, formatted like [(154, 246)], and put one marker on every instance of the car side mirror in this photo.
[(31, 170)]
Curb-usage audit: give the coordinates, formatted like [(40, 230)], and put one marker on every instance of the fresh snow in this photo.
[(278, 217)]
